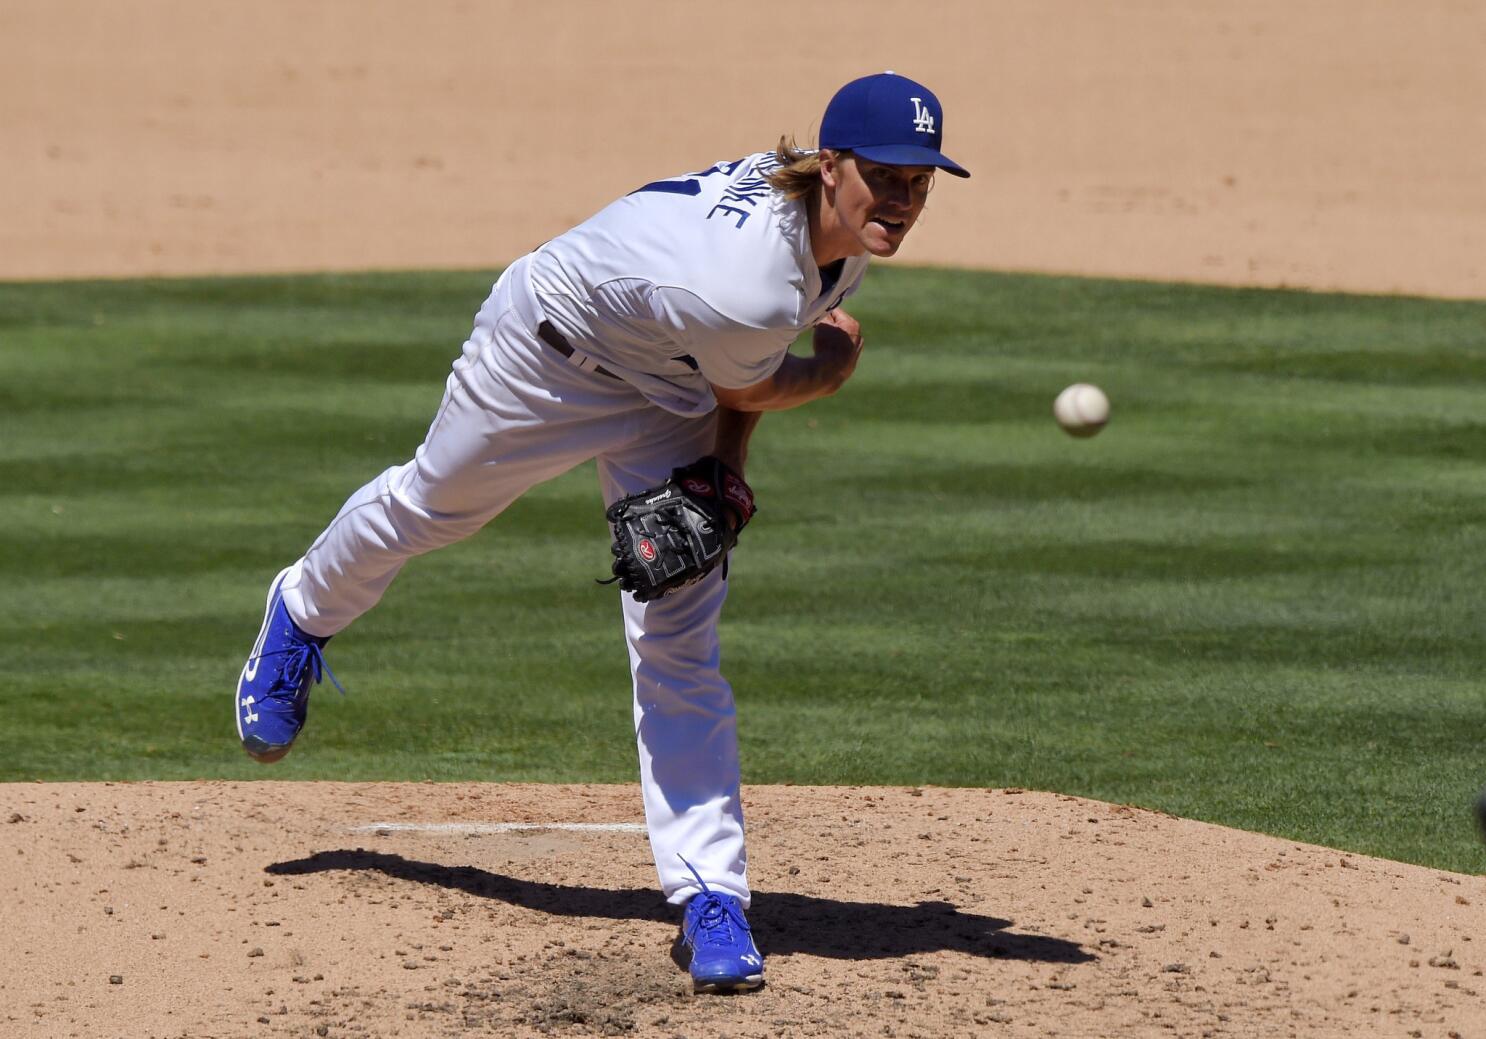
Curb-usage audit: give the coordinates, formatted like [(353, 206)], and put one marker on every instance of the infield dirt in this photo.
[(1326, 144)]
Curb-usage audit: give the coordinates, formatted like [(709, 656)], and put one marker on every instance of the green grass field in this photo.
[(1256, 599)]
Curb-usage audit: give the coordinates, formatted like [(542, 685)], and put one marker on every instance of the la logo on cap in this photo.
[(923, 119)]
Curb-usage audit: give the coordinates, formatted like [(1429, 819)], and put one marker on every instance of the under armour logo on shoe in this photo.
[(249, 715), (923, 118)]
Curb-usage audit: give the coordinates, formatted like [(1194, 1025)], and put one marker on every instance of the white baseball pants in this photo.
[(515, 413)]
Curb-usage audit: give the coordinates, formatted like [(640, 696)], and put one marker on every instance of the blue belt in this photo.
[(553, 338)]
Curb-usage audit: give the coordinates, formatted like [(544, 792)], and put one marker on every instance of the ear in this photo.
[(830, 165)]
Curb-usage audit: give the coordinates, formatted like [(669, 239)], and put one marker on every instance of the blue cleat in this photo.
[(273, 694), (723, 956)]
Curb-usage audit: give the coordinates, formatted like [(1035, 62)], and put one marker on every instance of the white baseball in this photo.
[(1082, 409)]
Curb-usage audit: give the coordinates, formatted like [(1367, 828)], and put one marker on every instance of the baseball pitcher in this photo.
[(650, 337)]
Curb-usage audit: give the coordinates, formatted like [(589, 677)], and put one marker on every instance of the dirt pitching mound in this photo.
[(331, 909)]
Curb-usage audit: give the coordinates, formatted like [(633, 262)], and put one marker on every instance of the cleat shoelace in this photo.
[(308, 657), (714, 923), (716, 918)]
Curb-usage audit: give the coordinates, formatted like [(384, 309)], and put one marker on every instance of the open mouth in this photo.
[(891, 226)]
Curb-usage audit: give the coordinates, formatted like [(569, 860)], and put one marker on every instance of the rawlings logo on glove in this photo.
[(673, 535)]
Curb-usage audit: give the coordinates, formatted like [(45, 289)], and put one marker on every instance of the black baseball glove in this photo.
[(673, 535)]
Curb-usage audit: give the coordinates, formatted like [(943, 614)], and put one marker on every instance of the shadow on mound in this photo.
[(784, 923)]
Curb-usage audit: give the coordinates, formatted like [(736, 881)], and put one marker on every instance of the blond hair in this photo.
[(799, 170)]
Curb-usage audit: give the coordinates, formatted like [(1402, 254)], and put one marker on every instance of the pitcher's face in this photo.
[(876, 203)]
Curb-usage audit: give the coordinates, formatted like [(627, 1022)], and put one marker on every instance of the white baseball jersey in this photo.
[(704, 278)]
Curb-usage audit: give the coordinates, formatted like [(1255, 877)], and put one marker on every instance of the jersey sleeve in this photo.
[(729, 353)]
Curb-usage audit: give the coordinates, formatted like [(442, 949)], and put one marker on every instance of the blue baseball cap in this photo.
[(890, 119)]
